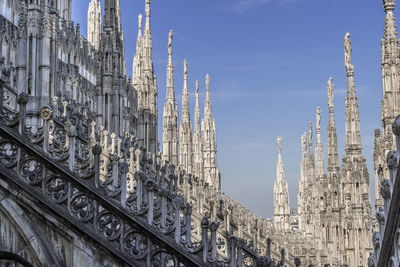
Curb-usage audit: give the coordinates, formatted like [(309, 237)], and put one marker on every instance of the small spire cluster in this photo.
[(194, 152), (333, 207)]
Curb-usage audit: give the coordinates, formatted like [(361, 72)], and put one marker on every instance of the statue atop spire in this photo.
[(347, 52), (208, 82), (185, 68), (278, 142), (140, 17), (318, 118), (170, 35), (330, 92), (197, 86)]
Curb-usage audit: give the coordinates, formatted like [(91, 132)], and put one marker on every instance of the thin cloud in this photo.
[(242, 6)]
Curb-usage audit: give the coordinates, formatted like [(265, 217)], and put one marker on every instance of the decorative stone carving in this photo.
[(385, 189), (391, 160)]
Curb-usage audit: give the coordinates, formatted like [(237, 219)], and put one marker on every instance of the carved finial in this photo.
[(318, 117), (278, 142), (304, 141), (140, 21), (208, 82), (347, 50), (197, 86)]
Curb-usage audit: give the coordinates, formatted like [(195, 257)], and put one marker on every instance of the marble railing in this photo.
[(112, 190)]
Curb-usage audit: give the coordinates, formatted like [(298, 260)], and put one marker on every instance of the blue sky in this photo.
[(269, 61)]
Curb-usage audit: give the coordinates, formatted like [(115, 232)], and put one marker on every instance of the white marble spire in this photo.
[(94, 23), (185, 129), (211, 172), (170, 114), (333, 158), (319, 150), (281, 194), (198, 159), (352, 121)]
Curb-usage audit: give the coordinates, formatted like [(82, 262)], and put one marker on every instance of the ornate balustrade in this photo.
[(112, 191)]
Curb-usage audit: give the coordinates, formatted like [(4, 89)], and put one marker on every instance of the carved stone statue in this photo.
[(197, 86), (330, 92), (185, 67), (140, 21), (304, 142), (318, 117), (207, 82), (170, 35), (278, 142), (309, 132), (347, 50)]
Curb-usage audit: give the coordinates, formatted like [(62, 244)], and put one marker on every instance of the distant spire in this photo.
[(333, 158), (281, 194), (280, 174), (185, 93), (319, 151), (207, 104), (186, 135), (353, 139), (198, 159), (310, 150), (304, 159), (197, 119), (137, 58)]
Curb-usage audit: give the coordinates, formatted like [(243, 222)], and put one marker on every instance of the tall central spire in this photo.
[(352, 124)]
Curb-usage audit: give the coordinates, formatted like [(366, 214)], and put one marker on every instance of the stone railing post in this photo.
[(150, 186), (214, 227), (71, 149), (240, 245), (96, 150), (123, 170), (115, 170), (188, 219), (139, 181), (178, 203), (204, 238), (22, 100), (163, 193), (55, 106), (47, 114), (232, 250)]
